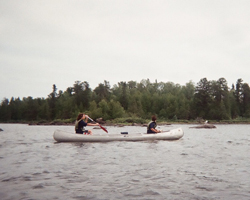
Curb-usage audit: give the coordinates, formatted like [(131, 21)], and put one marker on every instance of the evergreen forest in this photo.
[(210, 100)]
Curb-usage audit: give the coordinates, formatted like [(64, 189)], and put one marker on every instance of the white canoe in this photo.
[(62, 136)]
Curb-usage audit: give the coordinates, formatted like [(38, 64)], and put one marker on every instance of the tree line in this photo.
[(212, 100)]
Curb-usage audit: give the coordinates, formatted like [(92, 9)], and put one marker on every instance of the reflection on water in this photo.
[(204, 164)]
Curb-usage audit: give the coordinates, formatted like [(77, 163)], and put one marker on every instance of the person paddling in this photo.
[(81, 123), (151, 128)]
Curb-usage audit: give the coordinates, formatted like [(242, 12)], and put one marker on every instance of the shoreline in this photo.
[(53, 123)]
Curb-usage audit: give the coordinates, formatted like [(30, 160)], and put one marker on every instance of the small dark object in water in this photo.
[(124, 132), (1, 129)]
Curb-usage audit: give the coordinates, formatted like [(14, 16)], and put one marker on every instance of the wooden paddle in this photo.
[(99, 125)]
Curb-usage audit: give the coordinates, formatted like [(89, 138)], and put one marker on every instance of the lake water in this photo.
[(204, 164)]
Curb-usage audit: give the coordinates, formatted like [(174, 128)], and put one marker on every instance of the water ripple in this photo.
[(203, 165)]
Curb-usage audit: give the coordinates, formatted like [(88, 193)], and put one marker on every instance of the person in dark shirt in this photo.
[(81, 123), (151, 128)]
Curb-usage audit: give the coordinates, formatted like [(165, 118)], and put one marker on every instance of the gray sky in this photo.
[(46, 42)]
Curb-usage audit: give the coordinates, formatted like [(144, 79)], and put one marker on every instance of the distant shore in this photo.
[(110, 123)]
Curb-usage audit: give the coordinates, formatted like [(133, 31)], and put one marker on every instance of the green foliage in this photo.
[(115, 110), (132, 102), (129, 120), (102, 91), (94, 111)]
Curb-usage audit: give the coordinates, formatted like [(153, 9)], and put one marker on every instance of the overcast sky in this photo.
[(46, 42)]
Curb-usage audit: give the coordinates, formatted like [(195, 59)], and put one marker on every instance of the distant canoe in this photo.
[(63, 136), (205, 126)]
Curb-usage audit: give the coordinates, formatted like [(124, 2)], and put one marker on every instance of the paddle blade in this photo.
[(103, 129)]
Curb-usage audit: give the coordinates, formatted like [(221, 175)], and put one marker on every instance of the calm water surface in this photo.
[(204, 164)]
